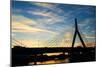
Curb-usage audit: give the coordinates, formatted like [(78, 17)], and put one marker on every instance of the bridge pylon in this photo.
[(79, 35)]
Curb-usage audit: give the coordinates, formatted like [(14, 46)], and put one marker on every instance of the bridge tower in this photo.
[(79, 35)]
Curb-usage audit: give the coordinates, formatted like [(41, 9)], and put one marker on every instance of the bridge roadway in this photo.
[(29, 51)]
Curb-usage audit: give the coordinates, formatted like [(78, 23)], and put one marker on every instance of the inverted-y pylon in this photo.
[(77, 33)]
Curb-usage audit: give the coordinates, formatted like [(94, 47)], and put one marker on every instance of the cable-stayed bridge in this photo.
[(22, 55)]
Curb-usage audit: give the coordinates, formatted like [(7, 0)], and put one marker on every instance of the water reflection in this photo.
[(53, 58), (55, 61)]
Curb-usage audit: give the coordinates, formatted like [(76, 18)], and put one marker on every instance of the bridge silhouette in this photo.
[(22, 55)]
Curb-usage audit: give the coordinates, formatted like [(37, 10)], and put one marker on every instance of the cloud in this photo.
[(47, 17), (51, 6), (51, 14), (91, 37), (47, 5), (22, 24), (86, 22), (23, 19), (87, 26), (19, 27)]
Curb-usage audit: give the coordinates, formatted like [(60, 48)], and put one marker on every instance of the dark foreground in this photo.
[(23, 56)]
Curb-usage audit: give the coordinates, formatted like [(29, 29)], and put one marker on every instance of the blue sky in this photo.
[(52, 21)]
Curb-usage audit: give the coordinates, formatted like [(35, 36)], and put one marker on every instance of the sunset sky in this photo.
[(50, 24)]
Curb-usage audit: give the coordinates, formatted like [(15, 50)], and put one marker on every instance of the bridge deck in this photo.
[(49, 50)]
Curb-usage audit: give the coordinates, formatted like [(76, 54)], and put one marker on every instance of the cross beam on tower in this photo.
[(77, 33)]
